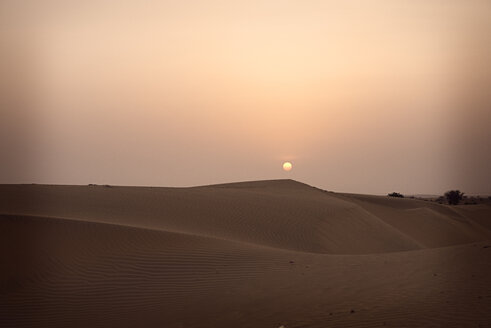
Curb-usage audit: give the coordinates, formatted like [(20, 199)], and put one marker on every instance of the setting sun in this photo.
[(287, 166)]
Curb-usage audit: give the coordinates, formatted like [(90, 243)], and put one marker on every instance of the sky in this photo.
[(361, 96)]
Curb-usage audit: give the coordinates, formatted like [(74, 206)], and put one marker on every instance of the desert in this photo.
[(275, 253)]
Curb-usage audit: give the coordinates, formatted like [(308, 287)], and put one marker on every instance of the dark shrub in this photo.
[(454, 196), (396, 194)]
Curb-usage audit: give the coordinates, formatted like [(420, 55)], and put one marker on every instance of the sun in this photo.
[(287, 166)]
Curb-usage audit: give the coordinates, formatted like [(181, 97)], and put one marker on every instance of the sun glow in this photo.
[(287, 166)]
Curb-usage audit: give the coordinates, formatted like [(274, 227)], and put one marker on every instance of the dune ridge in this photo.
[(280, 214), (254, 254)]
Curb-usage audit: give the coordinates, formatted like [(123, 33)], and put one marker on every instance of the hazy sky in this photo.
[(361, 96)]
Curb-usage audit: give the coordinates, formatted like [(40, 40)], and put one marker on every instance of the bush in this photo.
[(396, 194), (454, 196)]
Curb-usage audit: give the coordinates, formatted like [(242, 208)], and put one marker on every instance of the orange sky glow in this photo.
[(360, 96)]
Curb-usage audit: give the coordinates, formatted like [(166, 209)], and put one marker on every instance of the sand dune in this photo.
[(254, 254)]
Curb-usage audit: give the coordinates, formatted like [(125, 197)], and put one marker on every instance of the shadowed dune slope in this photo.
[(70, 273), (281, 214)]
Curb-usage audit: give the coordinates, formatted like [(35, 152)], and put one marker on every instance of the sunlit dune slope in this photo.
[(429, 224)]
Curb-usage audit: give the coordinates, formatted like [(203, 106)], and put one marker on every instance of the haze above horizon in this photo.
[(360, 97)]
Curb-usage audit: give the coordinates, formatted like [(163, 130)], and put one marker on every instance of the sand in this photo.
[(253, 254)]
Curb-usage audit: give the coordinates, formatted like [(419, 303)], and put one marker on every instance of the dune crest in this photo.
[(282, 214)]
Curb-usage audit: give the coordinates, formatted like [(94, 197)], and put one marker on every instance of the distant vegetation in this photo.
[(396, 194), (440, 200), (454, 197), (96, 185)]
